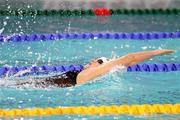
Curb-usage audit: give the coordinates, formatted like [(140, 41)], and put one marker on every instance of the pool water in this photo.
[(115, 88), (119, 23)]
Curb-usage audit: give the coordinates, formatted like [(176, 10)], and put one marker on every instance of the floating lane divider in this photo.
[(89, 12), (145, 109), (68, 36), (4, 71), (102, 12)]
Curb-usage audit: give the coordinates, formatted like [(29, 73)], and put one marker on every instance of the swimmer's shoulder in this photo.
[(92, 73)]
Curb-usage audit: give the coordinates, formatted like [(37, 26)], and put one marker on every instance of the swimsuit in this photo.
[(66, 79)]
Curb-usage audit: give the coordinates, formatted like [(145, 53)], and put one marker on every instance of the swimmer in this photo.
[(96, 68)]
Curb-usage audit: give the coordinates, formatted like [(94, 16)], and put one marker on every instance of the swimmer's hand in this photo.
[(163, 52)]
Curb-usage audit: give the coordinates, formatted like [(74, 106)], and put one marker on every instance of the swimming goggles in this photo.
[(102, 60)]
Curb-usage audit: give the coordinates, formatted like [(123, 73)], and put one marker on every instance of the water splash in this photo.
[(113, 78), (21, 73), (29, 82), (114, 55), (68, 29), (1, 30)]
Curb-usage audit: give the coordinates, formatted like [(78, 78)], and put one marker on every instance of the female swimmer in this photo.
[(95, 68)]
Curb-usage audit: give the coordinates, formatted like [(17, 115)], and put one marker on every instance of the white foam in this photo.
[(1, 30), (118, 68), (20, 73)]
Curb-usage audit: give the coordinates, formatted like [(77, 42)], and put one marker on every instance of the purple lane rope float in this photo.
[(77, 36), (151, 67)]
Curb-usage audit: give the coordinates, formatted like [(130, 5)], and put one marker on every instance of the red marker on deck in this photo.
[(101, 12)]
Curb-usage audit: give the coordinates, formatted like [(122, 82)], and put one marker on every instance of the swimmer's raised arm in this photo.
[(135, 58), (130, 59)]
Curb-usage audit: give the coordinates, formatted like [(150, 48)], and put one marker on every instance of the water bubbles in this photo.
[(28, 6), (20, 26), (29, 48), (69, 26), (173, 59), (144, 47), (84, 118), (115, 118), (127, 46), (27, 23), (95, 38), (30, 53), (160, 48), (9, 7), (115, 47), (2, 62), (5, 23), (41, 96), (22, 118), (130, 88), (67, 94), (71, 89), (21, 102), (1, 30), (87, 51), (49, 61), (90, 47), (10, 98), (7, 17), (16, 61), (65, 57)]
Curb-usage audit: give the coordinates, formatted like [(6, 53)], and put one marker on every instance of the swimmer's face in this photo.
[(93, 63)]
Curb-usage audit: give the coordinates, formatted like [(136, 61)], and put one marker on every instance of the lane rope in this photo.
[(146, 109), (89, 36), (166, 67), (89, 12)]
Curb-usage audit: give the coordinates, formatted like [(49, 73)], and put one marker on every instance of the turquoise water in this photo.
[(120, 23), (115, 88)]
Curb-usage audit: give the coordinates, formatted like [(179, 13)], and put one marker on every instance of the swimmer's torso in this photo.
[(66, 79)]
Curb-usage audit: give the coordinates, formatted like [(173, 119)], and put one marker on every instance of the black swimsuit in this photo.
[(66, 79)]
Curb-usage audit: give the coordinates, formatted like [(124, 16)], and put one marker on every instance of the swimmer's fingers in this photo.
[(162, 52), (168, 51)]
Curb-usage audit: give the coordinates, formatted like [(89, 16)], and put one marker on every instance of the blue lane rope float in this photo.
[(38, 69), (116, 36), (46, 69)]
